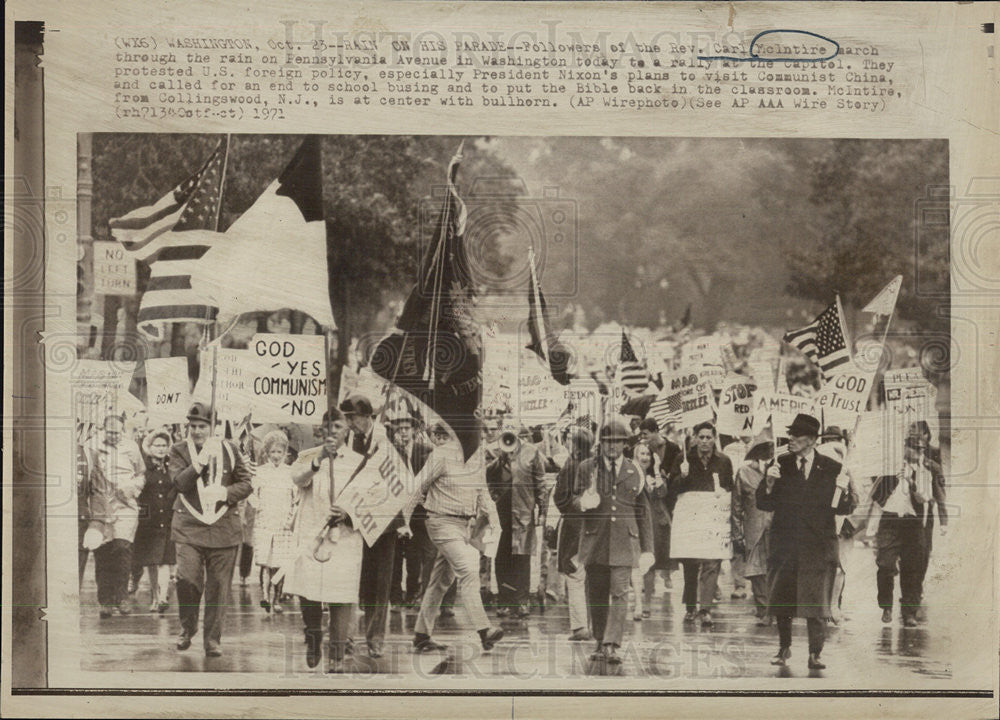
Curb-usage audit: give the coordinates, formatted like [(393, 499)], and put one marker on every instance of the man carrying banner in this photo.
[(705, 470), (327, 568), (805, 491), (907, 501), (211, 479), (617, 535), (416, 550), (367, 436)]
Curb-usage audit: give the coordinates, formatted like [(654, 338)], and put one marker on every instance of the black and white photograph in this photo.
[(501, 360), (529, 407)]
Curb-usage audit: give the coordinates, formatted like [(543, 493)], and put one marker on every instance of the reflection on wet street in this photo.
[(860, 651)]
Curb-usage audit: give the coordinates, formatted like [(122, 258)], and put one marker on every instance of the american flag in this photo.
[(822, 340), (156, 235), (666, 409), (631, 375)]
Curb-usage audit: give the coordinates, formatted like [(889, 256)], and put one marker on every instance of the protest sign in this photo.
[(763, 372), (700, 528), (114, 269), (686, 400), (499, 368), (168, 390), (704, 356), (844, 396), (781, 408), (736, 406), (584, 395), (234, 371), (912, 397), (539, 397), (876, 446), (100, 388), (377, 492), (289, 382)]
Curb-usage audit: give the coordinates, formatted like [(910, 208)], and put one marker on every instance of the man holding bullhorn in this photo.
[(805, 490)]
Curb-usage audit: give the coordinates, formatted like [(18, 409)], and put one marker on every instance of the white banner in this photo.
[(701, 528), (168, 390), (377, 492), (234, 371), (736, 406), (876, 447)]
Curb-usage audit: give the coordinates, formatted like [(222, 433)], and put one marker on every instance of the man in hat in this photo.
[(211, 479), (515, 479), (617, 535), (907, 501), (415, 549), (805, 491), (703, 469), (367, 436)]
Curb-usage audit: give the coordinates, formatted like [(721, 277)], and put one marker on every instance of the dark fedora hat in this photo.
[(804, 425), (356, 404)]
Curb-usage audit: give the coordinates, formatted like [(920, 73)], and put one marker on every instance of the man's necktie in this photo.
[(802, 466)]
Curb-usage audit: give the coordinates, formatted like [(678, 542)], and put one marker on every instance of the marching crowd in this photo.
[(191, 509)]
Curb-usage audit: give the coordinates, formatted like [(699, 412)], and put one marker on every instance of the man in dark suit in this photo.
[(805, 491), (617, 535), (377, 560), (415, 550), (902, 539), (211, 479)]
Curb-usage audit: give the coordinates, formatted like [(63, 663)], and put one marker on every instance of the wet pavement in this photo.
[(860, 650)]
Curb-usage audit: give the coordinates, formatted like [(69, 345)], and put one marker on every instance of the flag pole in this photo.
[(843, 328), (215, 370), (329, 401)]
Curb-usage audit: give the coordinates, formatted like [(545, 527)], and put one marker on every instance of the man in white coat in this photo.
[(327, 568)]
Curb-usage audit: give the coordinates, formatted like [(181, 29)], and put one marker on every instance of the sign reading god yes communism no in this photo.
[(290, 382), (278, 378)]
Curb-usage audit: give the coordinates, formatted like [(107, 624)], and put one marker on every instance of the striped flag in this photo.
[(170, 236), (666, 409), (823, 340), (631, 375)]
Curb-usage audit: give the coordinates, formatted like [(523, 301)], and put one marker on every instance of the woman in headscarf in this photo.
[(153, 549)]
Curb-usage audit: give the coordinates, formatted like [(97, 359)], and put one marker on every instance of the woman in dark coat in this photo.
[(805, 491), (655, 492), (153, 548), (581, 443)]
